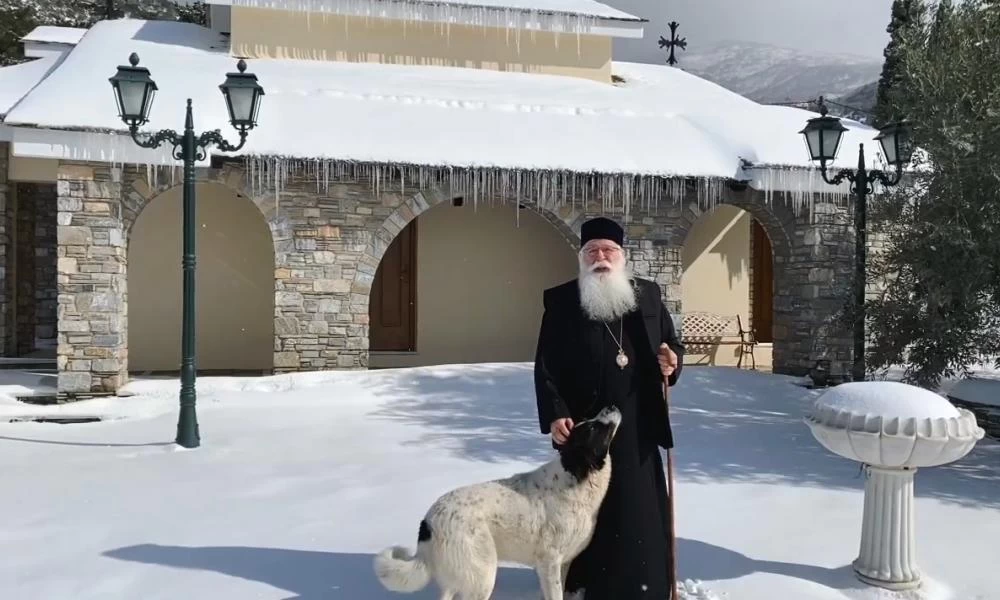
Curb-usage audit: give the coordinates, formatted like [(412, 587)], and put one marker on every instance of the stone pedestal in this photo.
[(892, 429), (887, 557)]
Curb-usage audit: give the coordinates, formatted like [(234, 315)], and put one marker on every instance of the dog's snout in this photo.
[(610, 415)]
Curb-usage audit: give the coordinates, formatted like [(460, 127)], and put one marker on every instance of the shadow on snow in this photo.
[(309, 575), (486, 413), (316, 575), (729, 426)]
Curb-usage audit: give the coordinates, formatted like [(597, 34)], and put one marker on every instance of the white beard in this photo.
[(606, 296)]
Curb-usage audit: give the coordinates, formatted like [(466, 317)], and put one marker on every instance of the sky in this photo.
[(827, 26)]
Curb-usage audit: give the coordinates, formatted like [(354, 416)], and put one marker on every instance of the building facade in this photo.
[(317, 261)]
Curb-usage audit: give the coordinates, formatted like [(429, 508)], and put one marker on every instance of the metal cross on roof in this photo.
[(673, 43)]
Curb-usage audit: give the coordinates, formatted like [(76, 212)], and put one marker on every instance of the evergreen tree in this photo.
[(194, 12), (941, 16), (19, 17), (907, 16), (939, 311)]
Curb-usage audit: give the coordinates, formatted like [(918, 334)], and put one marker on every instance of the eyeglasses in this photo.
[(597, 250)]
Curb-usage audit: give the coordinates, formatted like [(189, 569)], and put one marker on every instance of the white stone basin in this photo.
[(893, 429), (891, 424)]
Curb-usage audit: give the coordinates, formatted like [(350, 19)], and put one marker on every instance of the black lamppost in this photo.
[(134, 91), (823, 135)]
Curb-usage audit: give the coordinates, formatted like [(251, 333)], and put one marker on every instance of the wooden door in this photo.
[(393, 301), (763, 284)]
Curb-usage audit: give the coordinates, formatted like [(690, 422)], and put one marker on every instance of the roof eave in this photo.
[(32, 133)]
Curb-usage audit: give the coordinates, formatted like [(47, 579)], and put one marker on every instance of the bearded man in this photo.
[(607, 339)]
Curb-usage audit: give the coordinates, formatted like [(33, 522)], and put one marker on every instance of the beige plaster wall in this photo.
[(480, 279), (234, 282), (716, 277), (36, 170), (269, 33)]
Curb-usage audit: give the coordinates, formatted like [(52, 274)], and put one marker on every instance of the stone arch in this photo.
[(779, 223), (567, 223), (137, 192), (235, 272), (388, 235), (777, 219)]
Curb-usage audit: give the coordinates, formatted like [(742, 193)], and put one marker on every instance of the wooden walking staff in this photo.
[(675, 592)]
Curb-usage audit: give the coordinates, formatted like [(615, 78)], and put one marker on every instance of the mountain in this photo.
[(767, 73), (862, 97)]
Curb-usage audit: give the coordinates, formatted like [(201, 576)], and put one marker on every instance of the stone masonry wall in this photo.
[(23, 271), (321, 319), (46, 266), (329, 241), (820, 277), (6, 255), (36, 293), (92, 301)]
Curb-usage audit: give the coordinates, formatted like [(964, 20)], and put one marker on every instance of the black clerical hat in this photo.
[(601, 228)]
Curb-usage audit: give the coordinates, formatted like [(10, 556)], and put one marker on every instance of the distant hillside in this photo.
[(767, 73), (862, 98)]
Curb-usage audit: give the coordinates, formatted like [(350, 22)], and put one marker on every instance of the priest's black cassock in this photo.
[(576, 375)]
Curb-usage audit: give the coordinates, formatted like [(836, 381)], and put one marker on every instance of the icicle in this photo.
[(553, 190)]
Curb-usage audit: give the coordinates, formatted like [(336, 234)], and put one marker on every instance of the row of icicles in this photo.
[(551, 190), (442, 15), (620, 194)]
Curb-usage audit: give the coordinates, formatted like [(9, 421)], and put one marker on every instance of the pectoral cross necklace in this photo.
[(621, 359)]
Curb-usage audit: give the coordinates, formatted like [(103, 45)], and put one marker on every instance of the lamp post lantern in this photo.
[(823, 136), (134, 91)]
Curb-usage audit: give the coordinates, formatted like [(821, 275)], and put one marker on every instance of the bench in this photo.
[(704, 331)]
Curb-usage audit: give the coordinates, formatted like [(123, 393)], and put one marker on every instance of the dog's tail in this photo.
[(399, 570)]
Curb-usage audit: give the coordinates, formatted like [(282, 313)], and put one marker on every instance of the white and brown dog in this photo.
[(542, 519)]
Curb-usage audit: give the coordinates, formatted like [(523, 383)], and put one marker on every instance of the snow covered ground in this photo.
[(300, 479)]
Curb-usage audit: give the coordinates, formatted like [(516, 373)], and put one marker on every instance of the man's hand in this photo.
[(561, 429), (667, 359)]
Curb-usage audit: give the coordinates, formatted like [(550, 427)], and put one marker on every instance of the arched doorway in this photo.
[(234, 282), (727, 270), (463, 284)]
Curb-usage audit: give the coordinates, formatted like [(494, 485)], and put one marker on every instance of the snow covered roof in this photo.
[(17, 80), (661, 122), (45, 40), (55, 35)]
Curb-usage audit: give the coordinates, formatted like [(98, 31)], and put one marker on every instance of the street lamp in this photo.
[(823, 135), (134, 92)]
